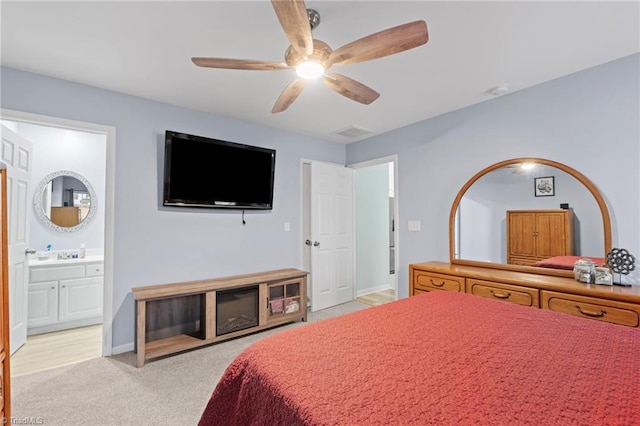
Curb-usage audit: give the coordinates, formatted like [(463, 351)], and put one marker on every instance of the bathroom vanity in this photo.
[(64, 293)]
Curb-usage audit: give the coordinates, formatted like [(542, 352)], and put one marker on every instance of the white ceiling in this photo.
[(144, 48)]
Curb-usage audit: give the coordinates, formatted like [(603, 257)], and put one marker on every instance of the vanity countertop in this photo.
[(55, 262)]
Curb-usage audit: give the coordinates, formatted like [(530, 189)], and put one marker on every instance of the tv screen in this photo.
[(205, 172)]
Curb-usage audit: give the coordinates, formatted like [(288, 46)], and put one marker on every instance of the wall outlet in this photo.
[(287, 227), (413, 225)]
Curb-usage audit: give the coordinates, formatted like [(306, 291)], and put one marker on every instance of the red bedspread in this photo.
[(566, 262), (439, 358)]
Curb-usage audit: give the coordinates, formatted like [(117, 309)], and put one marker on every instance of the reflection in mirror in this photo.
[(64, 201), (572, 212)]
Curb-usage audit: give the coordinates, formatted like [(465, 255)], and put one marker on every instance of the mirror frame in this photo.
[(606, 218), (39, 209)]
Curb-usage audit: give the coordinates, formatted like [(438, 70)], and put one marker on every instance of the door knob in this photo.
[(307, 242), (30, 251), (316, 243)]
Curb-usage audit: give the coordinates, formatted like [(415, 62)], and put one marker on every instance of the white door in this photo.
[(16, 154), (332, 256)]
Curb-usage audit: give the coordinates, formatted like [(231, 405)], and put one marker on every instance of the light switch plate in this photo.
[(413, 225), (287, 227)]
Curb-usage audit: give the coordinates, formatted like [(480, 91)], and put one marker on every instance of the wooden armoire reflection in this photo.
[(534, 235)]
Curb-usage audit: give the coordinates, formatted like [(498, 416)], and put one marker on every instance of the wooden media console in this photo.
[(176, 317)]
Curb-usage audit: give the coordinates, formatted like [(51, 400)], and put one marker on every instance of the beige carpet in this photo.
[(112, 391)]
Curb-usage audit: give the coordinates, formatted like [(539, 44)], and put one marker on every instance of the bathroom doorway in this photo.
[(87, 150)]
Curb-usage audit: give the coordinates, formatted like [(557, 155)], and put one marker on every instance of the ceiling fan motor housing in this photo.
[(314, 18), (321, 52)]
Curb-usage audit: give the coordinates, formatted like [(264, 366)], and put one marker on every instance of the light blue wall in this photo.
[(155, 245), (588, 120)]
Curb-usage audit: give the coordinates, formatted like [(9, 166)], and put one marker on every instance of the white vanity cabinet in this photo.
[(64, 294), (43, 304), (80, 299)]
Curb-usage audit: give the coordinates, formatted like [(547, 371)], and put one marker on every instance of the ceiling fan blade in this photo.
[(350, 88), (288, 95), (383, 43), (294, 20), (239, 64)]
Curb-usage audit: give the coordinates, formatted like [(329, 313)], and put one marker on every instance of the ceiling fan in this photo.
[(311, 58)]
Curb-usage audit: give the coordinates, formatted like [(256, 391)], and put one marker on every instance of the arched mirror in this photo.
[(64, 201), (529, 215)]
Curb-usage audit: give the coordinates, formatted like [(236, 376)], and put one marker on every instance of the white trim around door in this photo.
[(110, 133)]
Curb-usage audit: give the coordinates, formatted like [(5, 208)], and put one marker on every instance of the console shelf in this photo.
[(171, 318)]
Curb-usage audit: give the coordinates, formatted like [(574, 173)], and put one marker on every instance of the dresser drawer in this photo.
[(430, 281), (522, 261), (509, 293), (56, 273), (96, 270), (593, 308)]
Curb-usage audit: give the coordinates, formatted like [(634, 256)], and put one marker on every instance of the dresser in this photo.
[(613, 304), (64, 294), (534, 235)]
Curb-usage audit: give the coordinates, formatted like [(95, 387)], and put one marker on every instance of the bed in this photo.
[(566, 262), (439, 358)]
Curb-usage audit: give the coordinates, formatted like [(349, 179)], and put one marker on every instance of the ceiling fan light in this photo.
[(527, 166), (309, 69)]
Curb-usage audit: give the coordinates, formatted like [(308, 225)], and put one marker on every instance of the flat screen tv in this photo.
[(205, 172)]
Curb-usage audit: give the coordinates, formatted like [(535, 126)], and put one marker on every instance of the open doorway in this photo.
[(369, 267), (67, 311), (376, 236)]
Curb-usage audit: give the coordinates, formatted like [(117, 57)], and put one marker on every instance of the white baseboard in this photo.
[(370, 290), (63, 325), (127, 347)]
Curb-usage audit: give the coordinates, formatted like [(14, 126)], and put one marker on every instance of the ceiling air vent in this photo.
[(353, 132)]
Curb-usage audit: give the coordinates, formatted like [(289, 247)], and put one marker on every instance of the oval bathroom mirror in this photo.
[(64, 201)]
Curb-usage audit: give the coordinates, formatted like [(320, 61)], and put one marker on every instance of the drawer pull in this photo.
[(435, 284), (501, 295), (591, 313)]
